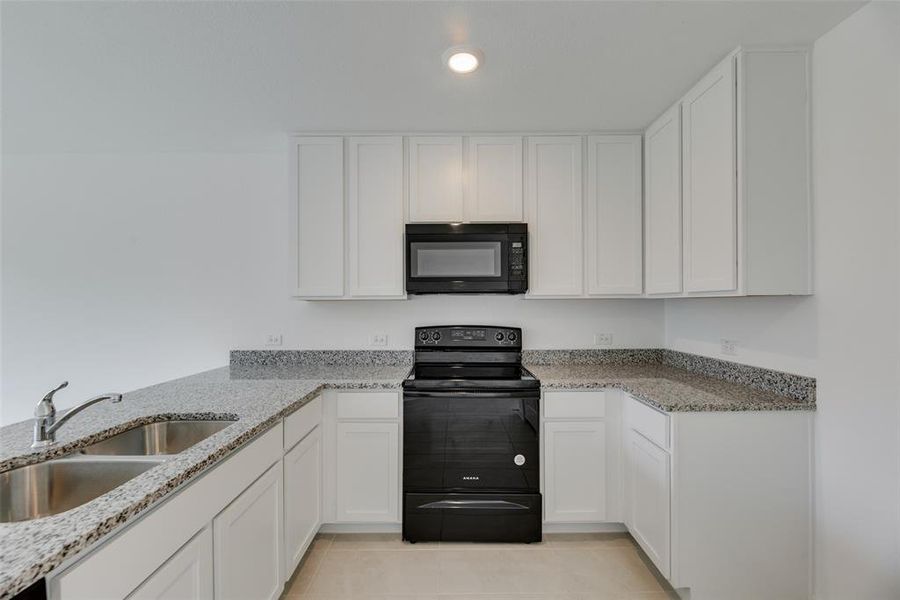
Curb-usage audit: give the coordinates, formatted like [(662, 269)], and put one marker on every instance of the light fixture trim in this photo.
[(463, 60)]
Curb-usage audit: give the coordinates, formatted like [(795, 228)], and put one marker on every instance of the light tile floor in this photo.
[(563, 567)]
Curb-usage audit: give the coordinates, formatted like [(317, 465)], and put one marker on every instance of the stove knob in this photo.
[(511, 336), (435, 335), (423, 335), (499, 336)]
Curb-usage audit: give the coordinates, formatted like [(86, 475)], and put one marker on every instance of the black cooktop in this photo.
[(469, 358)]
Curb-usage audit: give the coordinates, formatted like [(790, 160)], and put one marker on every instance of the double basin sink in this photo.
[(54, 486)]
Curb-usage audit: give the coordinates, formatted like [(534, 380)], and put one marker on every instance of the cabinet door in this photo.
[(187, 575), (302, 498), (368, 457), (248, 548), (614, 220), (553, 212), (710, 183), (649, 483), (662, 193), (494, 177), (575, 471), (317, 216), (375, 216), (435, 179)]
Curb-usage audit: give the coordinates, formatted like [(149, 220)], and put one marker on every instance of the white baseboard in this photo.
[(360, 528), (584, 528), (547, 528)]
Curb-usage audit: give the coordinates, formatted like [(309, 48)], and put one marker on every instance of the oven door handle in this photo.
[(475, 504), (471, 394)]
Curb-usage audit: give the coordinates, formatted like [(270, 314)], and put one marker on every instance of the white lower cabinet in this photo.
[(188, 575), (302, 497), (247, 535), (649, 518), (368, 473), (575, 471)]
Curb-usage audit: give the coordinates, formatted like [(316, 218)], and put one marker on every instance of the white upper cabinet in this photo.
[(710, 182), (494, 179), (662, 204), (317, 216), (745, 176), (375, 216), (553, 211), (614, 223), (774, 171), (435, 172)]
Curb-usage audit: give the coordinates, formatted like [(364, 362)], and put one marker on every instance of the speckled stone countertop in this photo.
[(257, 397), (667, 388), (259, 389)]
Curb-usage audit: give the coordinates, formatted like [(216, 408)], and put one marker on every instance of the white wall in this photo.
[(124, 270), (856, 128), (772, 332)]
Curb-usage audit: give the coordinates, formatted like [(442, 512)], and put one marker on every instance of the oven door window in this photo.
[(456, 259)]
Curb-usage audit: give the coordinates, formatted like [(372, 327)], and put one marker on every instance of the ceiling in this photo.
[(234, 76)]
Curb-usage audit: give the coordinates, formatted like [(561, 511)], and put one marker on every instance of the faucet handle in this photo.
[(49, 396), (45, 407)]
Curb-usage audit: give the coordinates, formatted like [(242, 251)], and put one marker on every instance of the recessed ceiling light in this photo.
[(463, 60)]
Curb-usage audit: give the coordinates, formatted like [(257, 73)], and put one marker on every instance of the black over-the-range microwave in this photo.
[(466, 258)]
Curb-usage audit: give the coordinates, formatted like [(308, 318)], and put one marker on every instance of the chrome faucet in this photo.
[(45, 422)]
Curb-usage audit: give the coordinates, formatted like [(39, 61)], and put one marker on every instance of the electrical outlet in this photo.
[(603, 339), (273, 339), (729, 347), (379, 339)]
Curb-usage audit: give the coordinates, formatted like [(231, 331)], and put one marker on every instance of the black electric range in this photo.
[(471, 438)]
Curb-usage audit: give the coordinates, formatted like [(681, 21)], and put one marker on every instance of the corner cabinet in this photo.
[(710, 182), (648, 477), (553, 211), (662, 204), (302, 497), (745, 192)]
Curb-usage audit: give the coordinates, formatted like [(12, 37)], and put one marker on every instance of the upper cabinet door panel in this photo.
[(662, 192), (317, 216), (375, 216), (494, 176), (614, 222), (710, 186), (435, 179), (553, 212)]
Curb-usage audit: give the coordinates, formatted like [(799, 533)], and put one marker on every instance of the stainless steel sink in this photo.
[(55, 486), (165, 437)]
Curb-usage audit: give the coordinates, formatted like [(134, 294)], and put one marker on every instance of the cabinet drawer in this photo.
[(368, 405), (301, 422), (649, 422), (581, 405)]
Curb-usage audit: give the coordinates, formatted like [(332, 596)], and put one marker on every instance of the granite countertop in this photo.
[(667, 388), (257, 395)]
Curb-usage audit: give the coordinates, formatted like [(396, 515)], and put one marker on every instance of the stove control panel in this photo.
[(468, 336)]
